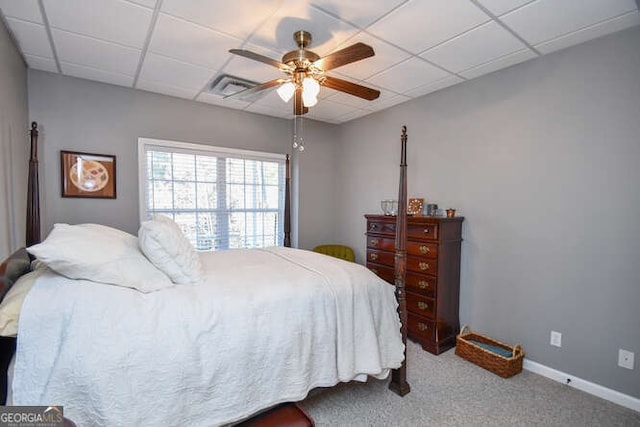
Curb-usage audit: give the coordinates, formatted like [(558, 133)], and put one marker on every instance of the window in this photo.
[(222, 198)]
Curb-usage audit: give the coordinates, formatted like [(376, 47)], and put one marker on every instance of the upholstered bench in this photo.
[(284, 415)]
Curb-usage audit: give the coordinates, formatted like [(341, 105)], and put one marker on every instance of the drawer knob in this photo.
[(374, 270), (372, 227), (374, 242), (422, 326), (424, 249), (423, 266), (423, 284), (374, 257), (426, 230), (423, 305)]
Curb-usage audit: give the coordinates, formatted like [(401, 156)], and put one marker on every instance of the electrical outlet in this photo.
[(556, 339), (625, 358)]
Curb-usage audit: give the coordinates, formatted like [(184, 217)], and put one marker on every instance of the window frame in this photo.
[(148, 144)]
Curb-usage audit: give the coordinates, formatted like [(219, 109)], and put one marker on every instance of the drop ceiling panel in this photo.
[(32, 38), (90, 52), (431, 22), (146, 3), (591, 32), (544, 20), (165, 89), (503, 62), (433, 87), (88, 73), (408, 75), (40, 63), (238, 18), (330, 110), (386, 102), (358, 12), (293, 15), (356, 114), (478, 46), (499, 7), (163, 70), (188, 42), (116, 21), (27, 10)]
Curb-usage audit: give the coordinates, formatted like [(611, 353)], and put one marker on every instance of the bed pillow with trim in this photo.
[(101, 254), (166, 246)]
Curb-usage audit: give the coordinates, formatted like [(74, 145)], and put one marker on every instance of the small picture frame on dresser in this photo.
[(415, 207)]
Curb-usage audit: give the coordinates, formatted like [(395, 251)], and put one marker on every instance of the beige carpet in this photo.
[(449, 391)]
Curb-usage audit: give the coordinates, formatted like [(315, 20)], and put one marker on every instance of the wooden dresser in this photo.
[(432, 281)]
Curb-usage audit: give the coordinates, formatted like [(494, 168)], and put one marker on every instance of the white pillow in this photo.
[(101, 254), (12, 302), (163, 242)]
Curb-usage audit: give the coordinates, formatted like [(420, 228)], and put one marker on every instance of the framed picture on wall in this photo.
[(88, 175)]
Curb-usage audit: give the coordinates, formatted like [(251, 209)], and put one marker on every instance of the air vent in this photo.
[(228, 85)]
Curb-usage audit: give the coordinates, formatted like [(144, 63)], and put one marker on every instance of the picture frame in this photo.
[(87, 175), (415, 206)]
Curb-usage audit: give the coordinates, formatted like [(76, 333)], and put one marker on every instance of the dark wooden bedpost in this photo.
[(33, 196), (399, 384), (287, 205)]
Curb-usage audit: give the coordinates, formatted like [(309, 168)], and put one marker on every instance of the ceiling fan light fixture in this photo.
[(310, 86), (309, 100), (286, 91)]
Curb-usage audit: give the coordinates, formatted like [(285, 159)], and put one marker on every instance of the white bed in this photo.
[(263, 326)]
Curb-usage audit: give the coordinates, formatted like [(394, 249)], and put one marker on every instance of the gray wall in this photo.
[(80, 115), (540, 158), (14, 145), (543, 161)]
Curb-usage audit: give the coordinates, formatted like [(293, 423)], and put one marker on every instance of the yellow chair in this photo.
[(338, 251)]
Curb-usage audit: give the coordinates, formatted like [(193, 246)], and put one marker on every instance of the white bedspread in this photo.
[(266, 326)]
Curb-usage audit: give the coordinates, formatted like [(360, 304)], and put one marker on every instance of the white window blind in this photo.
[(221, 198)]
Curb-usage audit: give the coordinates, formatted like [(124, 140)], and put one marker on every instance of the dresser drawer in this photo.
[(381, 257), (384, 243), (381, 227), (423, 231), (419, 304), (421, 326), (384, 272), (422, 265), (420, 284), (423, 249)]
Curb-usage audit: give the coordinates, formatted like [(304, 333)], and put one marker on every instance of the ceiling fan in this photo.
[(306, 72)]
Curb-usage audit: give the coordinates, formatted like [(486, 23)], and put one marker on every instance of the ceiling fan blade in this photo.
[(351, 88), (260, 58), (253, 90), (298, 107), (345, 56)]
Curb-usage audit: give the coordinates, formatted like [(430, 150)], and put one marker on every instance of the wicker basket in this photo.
[(500, 365)]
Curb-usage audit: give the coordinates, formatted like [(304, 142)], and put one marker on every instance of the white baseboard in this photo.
[(586, 386)]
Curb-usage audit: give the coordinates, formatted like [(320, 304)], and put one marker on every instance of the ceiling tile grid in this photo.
[(179, 47)]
